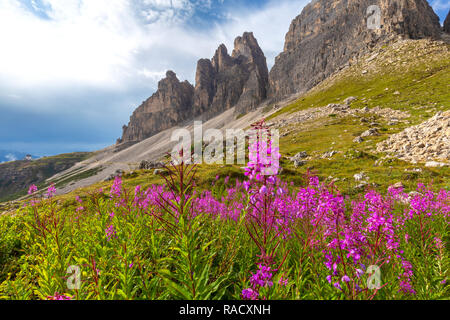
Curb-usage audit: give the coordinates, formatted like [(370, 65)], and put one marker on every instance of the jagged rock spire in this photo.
[(223, 82)]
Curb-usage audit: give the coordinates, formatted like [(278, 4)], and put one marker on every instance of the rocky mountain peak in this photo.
[(327, 36), (247, 46), (239, 80), (329, 33), (221, 59), (171, 75), (221, 83), (169, 105)]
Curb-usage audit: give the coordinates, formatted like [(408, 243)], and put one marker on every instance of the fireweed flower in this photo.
[(51, 191), (283, 281), (110, 232), (58, 296), (81, 208), (32, 189), (438, 243), (250, 294), (405, 279), (261, 158), (329, 279), (359, 273), (262, 278), (116, 188), (263, 189)]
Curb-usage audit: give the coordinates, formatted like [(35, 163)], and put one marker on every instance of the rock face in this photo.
[(329, 33), (428, 141), (447, 23), (239, 80), (170, 105)]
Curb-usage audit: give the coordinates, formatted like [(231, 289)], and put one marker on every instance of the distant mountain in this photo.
[(8, 155), (17, 176)]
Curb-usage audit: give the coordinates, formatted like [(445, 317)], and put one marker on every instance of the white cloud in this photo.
[(87, 42), (154, 75)]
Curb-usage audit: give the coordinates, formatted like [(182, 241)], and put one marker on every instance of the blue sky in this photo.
[(72, 71)]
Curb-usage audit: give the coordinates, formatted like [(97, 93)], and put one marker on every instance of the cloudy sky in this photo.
[(72, 71)]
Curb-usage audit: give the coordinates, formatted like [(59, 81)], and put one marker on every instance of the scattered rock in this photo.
[(371, 132), (361, 186), (338, 110), (149, 165), (413, 194), (329, 154), (435, 164), (360, 177), (393, 122), (299, 163), (397, 185), (349, 100), (358, 140), (300, 155), (427, 142)]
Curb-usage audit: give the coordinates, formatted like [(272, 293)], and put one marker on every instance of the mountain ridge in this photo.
[(224, 82), (326, 36)]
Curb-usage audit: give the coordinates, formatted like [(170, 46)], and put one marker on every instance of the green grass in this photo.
[(423, 82)]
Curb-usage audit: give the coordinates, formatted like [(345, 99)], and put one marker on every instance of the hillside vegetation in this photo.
[(17, 176)]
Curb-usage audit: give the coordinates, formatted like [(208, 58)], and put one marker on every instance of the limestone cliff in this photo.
[(239, 80), (328, 33), (170, 105)]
